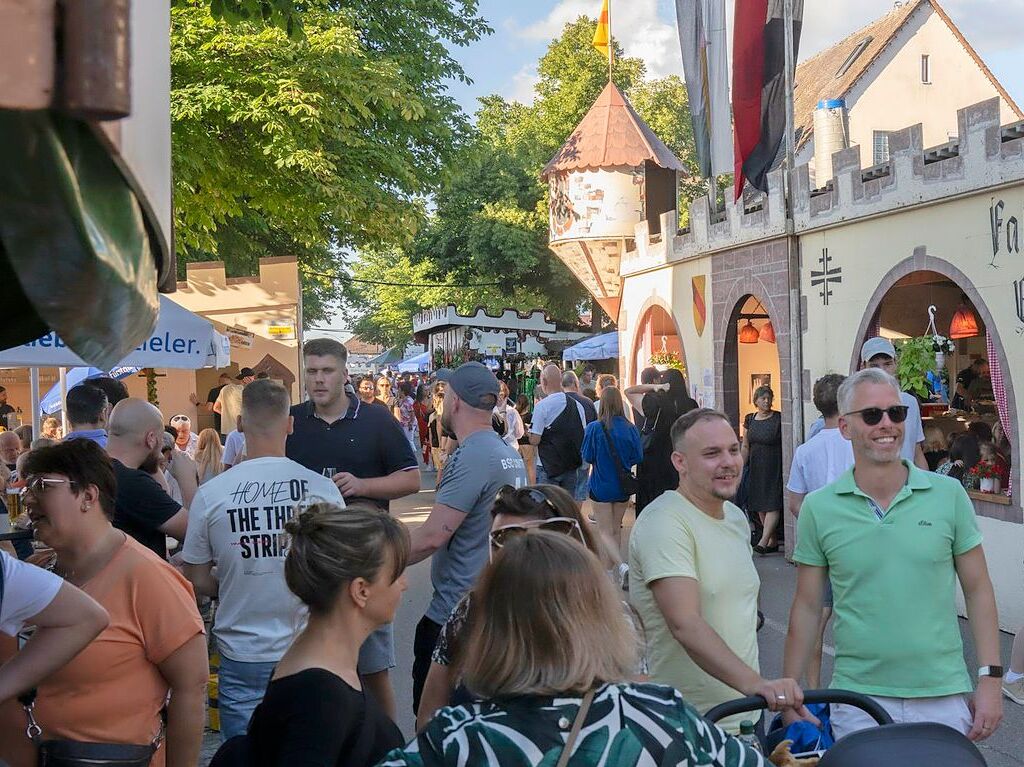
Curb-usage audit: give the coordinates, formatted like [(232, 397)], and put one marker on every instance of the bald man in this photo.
[(10, 449), (143, 508), (557, 430)]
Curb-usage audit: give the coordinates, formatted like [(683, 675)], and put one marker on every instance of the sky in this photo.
[(504, 62)]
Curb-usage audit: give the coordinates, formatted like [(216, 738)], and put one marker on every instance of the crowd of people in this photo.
[(538, 643)]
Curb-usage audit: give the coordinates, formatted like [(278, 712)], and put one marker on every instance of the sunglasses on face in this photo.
[(872, 416)]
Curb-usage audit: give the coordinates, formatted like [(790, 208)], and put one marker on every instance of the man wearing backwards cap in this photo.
[(879, 353), (456, 531)]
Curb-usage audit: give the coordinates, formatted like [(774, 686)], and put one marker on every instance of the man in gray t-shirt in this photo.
[(456, 532)]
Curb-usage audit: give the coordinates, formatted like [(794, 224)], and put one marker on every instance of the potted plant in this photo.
[(915, 359), (941, 346), (664, 360), (988, 475)]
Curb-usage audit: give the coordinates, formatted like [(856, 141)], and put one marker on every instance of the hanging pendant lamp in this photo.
[(748, 334), (965, 323), (767, 332)]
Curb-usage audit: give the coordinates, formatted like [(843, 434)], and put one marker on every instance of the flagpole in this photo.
[(790, 126), (795, 308), (611, 52)]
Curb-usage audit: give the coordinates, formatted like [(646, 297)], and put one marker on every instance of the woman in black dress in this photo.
[(345, 565), (762, 450)]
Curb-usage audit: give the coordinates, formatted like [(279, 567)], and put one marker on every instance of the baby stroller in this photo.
[(890, 745)]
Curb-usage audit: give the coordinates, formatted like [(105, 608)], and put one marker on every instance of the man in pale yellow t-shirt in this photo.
[(692, 578)]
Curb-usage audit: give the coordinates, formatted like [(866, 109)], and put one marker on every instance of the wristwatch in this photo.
[(996, 671)]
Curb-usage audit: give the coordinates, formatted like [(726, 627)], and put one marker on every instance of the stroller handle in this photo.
[(756, 703)]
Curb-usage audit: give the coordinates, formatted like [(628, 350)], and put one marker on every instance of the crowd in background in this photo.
[(266, 544)]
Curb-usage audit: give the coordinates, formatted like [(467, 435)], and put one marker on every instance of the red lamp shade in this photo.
[(964, 324), (749, 334), (767, 332)]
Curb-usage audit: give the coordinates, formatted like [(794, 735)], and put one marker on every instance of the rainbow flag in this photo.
[(602, 38)]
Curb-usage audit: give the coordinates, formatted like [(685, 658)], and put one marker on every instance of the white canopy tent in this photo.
[(180, 339)]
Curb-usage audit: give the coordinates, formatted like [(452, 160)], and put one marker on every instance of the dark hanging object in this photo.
[(95, 79)]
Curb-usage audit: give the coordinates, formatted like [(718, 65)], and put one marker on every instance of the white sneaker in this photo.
[(1014, 691), (624, 576)]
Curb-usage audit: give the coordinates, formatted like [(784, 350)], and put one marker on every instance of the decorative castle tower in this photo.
[(610, 175)]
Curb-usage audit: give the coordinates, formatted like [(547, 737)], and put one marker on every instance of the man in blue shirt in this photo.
[(87, 414)]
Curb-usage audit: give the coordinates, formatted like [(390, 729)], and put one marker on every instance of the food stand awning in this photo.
[(415, 364), (602, 347), (181, 339)]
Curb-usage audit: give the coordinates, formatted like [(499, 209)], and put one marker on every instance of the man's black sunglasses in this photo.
[(872, 416)]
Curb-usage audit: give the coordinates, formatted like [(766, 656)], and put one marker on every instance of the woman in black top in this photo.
[(762, 450), (657, 402), (528, 451), (346, 566)]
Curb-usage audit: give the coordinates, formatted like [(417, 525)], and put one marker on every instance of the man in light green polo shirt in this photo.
[(893, 539), (692, 578)]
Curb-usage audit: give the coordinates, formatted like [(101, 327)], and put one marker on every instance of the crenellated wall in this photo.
[(985, 155)]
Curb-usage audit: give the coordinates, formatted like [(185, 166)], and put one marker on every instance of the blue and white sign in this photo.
[(181, 339)]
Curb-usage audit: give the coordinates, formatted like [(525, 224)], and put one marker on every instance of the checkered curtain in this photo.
[(998, 389)]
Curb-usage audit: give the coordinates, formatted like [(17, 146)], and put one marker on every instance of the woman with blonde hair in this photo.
[(550, 647), (345, 565), (209, 455)]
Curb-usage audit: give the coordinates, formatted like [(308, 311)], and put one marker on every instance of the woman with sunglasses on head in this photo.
[(515, 513), (345, 565), (115, 689), (549, 653), (186, 440)]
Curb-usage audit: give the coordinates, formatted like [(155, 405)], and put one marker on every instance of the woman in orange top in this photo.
[(113, 691)]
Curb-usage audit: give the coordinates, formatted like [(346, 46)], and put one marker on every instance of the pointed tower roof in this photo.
[(611, 134)]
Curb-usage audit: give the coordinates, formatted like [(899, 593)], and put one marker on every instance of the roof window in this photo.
[(854, 55)]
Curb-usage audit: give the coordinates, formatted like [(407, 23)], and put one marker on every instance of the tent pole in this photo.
[(64, 400), (33, 378)]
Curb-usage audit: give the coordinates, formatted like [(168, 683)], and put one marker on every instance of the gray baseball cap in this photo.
[(875, 346), (473, 383)]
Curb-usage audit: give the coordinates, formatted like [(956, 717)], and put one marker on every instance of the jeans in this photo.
[(582, 482), (240, 688), (427, 633), (565, 480)]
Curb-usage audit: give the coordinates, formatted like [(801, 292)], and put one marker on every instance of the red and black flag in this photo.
[(759, 85)]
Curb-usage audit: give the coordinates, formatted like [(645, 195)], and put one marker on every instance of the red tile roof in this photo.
[(611, 134)]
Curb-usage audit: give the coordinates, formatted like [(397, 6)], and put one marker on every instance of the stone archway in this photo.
[(656, 320), (921, 261), (727, 385)]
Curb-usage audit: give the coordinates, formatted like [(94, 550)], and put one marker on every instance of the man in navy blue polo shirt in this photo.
[(370, 461)]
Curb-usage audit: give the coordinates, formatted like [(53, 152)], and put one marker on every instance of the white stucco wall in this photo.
[(891, 95), (672, 286)]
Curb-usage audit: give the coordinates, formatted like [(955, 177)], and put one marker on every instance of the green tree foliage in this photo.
[(315, 144), (490, 218)]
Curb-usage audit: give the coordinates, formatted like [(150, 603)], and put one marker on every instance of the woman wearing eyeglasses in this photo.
[(762, 452), (114, 690), (515, 513), (549, 654)]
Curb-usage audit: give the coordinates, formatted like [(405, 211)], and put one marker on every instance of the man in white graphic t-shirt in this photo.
[(236, 524)]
